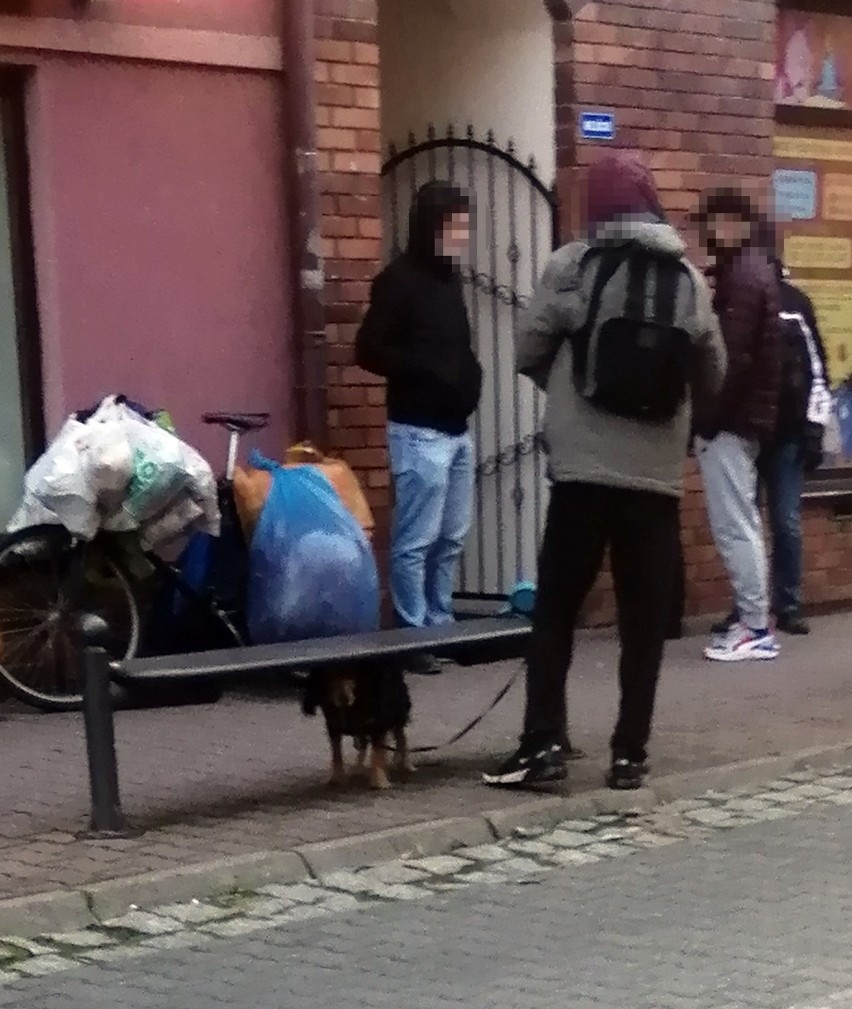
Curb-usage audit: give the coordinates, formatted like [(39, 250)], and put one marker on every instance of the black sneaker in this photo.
[(792, 622), (723, 627), (529, 766), (626, 774)]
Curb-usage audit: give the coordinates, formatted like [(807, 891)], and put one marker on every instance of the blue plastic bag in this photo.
[(312, 572)]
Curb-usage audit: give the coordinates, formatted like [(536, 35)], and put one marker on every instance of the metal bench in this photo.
[(477, 639)]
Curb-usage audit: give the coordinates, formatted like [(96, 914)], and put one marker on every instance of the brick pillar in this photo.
[(566, 133), (347, 74)]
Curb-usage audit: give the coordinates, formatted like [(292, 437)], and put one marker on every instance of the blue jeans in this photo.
[(433, 483), (783, 478)]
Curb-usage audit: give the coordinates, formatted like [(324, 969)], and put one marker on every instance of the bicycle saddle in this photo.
[(242, 422)]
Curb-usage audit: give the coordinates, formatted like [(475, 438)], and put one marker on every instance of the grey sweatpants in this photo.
[(729, 471)]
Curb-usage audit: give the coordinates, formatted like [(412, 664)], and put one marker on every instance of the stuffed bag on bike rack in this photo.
[(312, 572)]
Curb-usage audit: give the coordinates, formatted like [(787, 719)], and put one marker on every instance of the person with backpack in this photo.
[(804, 411), (416, 335), (730, 430), (619, 332)]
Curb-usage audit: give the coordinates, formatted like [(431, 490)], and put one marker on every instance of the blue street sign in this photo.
[(597, 125)]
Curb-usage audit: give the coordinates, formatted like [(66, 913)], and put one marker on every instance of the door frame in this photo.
[(13, 89)]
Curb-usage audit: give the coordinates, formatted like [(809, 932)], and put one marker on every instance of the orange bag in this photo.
[(251, 487)]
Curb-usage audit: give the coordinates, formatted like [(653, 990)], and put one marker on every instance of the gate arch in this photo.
[(516, 226)]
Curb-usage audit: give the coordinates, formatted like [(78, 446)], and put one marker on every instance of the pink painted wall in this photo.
[(161, 241), (262, 17)]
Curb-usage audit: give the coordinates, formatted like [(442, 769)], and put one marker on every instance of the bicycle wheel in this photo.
[(39, 653)]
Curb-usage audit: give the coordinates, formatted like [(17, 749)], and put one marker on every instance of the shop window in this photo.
[(813, 193)]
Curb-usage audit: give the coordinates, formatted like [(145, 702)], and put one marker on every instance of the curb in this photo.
[(67, 910)]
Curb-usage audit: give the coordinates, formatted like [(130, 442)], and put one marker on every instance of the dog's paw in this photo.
[(379, 780), (337, 779), (405, 766)]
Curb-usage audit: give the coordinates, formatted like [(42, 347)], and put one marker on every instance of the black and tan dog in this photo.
[(370, 704)]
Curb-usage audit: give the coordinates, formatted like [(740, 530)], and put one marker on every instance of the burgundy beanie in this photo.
[(619, 183)]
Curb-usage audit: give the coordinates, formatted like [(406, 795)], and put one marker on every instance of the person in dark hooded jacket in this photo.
[(731, 428), (616, 481), (416, 334), (794, 449)]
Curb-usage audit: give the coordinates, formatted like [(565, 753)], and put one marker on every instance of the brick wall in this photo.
[(692, 90), (691, 87), (347, 76)]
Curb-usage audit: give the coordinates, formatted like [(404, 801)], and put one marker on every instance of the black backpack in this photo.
[(636, 364)]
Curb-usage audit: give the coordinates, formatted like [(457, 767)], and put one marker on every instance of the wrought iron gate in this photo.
[(516, 228)]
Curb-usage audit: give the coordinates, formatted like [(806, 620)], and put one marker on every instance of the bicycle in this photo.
[(49, 580)]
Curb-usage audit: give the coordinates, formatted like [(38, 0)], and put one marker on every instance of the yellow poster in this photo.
[(812, 149), (832, 301), (837, 197), (811, 252)]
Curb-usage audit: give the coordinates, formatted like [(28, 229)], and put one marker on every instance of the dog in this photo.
[(369, 704)]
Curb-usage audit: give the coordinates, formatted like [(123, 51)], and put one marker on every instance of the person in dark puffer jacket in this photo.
[(804, 410), (731, 429)]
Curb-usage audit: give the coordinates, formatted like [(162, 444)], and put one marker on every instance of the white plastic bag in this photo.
[(201, 486), (121, 473), (108, 461), (832, 443), (157, 473), (58, 489)]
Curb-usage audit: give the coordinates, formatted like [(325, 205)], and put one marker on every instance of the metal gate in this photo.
[(516, 227)]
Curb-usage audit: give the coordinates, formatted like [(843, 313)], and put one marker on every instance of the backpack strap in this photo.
[(609, 261), (665, 296), (637, 284)]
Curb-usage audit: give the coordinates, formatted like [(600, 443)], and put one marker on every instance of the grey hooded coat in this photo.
[(585, 444)]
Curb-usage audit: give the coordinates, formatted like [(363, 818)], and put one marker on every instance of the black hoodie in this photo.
[(800, 373), (416, 332)]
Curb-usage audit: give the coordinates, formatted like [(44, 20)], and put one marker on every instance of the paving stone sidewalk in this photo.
[(248, 774), (548, 857)]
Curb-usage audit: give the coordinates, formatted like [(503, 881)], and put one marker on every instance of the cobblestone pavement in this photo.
[(248, 774), (729, 900)]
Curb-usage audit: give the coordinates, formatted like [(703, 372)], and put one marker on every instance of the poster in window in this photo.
[(814, 60), (813, 204)]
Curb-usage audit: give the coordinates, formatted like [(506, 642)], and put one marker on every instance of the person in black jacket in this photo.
[(416, 334), (804, 408), (795, 448)]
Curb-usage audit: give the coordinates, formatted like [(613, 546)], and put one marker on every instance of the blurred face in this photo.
[(725, 231), (453, 240)]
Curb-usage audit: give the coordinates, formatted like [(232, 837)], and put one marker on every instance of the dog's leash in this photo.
[(470, 725)]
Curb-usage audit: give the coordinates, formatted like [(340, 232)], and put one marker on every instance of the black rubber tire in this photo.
[(50, 543)]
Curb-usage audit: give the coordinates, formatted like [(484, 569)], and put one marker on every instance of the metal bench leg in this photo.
[(107, 819)]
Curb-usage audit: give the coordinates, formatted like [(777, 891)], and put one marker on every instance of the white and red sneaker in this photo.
[(742, 644)]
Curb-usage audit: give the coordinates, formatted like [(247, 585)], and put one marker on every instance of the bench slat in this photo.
[(315, 652)]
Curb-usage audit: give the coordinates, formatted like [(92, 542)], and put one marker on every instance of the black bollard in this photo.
[(107, 819)]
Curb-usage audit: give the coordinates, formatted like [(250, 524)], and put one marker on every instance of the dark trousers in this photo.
[(641, 531), (678, 608), (782, 474)]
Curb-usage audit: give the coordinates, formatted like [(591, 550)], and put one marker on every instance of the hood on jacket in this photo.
[(647, 230), (618, 185), (430, 208)]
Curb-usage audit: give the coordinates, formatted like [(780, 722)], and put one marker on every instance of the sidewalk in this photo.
[(248, 774)]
